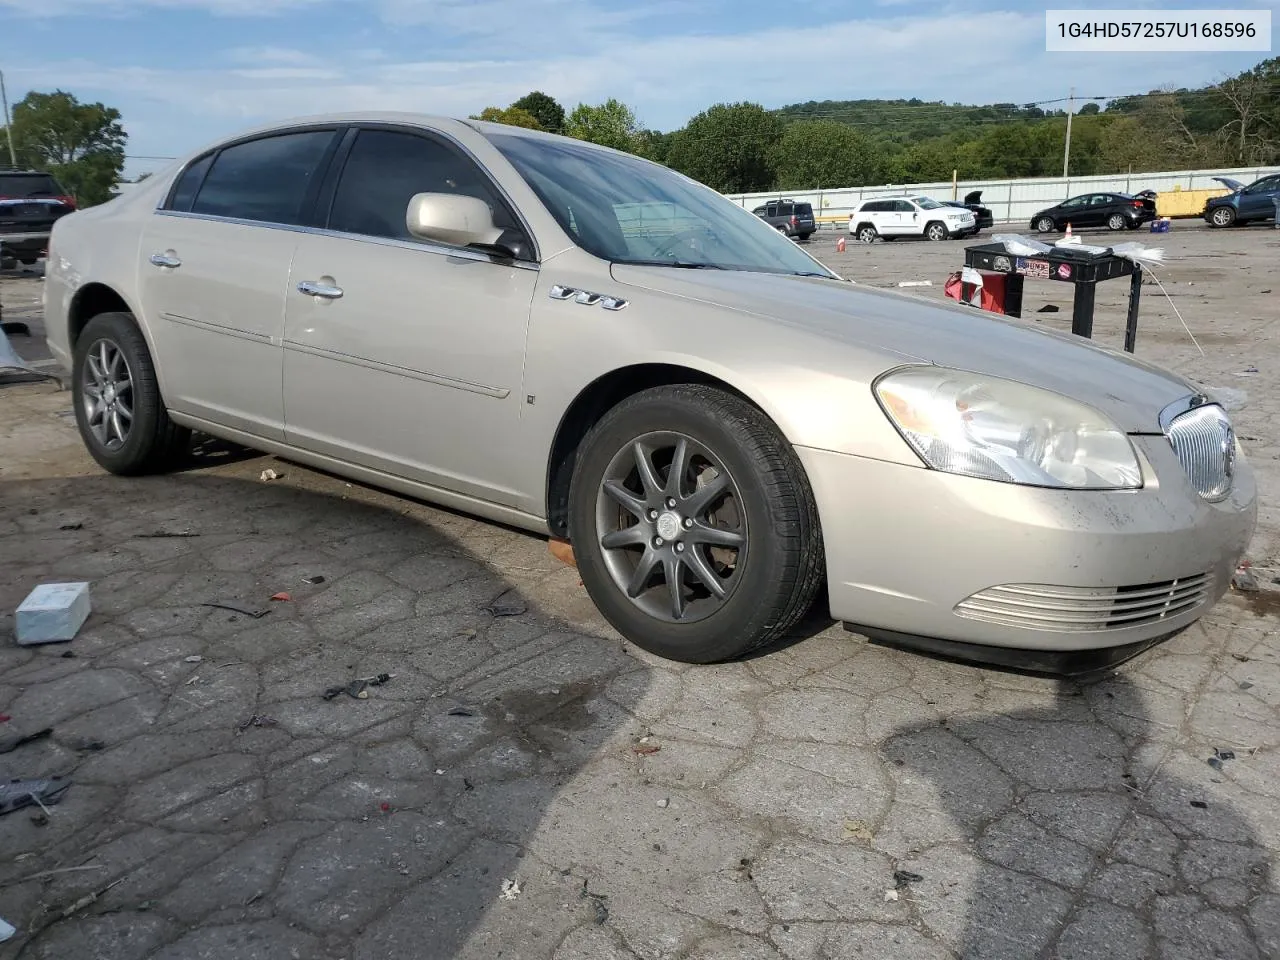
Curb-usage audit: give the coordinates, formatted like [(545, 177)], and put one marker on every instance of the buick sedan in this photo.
[(585, 344)]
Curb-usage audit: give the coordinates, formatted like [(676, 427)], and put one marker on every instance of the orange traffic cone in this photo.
[(840, 245), (1068, 229)]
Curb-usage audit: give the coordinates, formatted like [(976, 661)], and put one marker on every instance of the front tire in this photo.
[(116, 395), (693, 524), (936, 231), (1222, 217)]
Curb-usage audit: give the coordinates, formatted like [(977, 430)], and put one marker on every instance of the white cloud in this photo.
[(120, 8)]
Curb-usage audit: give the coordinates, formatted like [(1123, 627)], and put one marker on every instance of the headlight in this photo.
[(980, 426)]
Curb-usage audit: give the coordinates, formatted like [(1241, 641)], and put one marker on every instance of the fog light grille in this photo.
[(1085, 609)]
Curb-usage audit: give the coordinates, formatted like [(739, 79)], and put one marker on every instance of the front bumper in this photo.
[(915, 553)]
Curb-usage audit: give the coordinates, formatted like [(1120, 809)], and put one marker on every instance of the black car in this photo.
[(787, 216), (30, 202), (1118, 211), (982, 215)]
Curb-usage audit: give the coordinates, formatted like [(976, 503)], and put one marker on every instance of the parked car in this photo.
[(788, 217), (982, 215), (895, 217), (30, 203), (722, 427), (1116, 211), (1244, 204)]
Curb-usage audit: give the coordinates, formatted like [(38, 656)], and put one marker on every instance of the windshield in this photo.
[(627, 210), (927, 203)]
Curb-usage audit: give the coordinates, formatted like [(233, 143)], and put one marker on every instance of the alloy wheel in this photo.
[(107, 386), (937, 232), (671, 527), (1223, 216)]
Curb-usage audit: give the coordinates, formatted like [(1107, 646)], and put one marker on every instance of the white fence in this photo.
[(1010, 200)]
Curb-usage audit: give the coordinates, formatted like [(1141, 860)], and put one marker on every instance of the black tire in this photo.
[(804, 237), (28, 261), (1116, 221), (867, 233), (1045, 225), (784, 565), (936, 231), (1222, 217), (154, 442)]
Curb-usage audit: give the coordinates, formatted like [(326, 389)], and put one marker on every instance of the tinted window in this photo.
[(19, 187), (265, 179), (185, 190), (383, 172), (771, 210), (804, 209), (760, 211), (785, 209), (1102, 199), (1075, 202)]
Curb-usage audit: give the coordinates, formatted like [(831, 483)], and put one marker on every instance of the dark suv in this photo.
[(29, 204), (787, 216)]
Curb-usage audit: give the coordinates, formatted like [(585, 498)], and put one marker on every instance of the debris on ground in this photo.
[(313, 580), (268, 475), (254, 612), (166, 535), (1048, 308), (52, 613), (858, 830), (258, 721), (562, 550), (664, 803), (7, 930), (467, 634), (193, 660), (904, 878), (510, 889), (1199, 804), (1224, 754), (507, 605), (281, 597), (891, 896), (1246, 685), (1244, 580), (597, 901), (461, 712), (44, 793), (645, 748), (72, 526), (1241, 657), (1215, 763), (88, 899), (357, 689), (915, 283), (14, 741), (69, 655), (5, 718)]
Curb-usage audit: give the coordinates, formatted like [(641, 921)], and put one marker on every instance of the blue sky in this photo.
[(184, 72)]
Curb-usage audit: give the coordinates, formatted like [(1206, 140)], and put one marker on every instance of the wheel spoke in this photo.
[(93, 391), (697, 504), (104, 360), (643, 571), (714, 536), (695, 562), (125, 411), (116, 426), (95, 371), (625, 498), (648, 479), (671, 571), (679, 465), (633, 536)]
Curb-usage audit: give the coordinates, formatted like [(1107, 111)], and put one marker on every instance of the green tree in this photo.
[(544, 108), (824, 153), (653, 145), (728, 147), (611, 124), (82, 144), (512, 116)]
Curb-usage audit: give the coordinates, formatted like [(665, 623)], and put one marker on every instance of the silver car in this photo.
[(591, 346)]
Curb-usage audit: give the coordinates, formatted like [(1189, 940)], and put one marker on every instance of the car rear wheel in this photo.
[(1223, 217), (116, 394), (1116, 221), (867, 233), (693, 525), (1044, 225), (936, 231)]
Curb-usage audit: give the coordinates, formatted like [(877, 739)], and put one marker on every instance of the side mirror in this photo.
[(451, 218)]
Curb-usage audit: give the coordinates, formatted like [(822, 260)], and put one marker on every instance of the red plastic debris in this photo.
[(282, 597), (5, 718), (385, 807)]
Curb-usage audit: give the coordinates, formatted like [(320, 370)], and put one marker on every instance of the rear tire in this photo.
[(1045, 225), (1116, 221), (116, 395), (764, 502)]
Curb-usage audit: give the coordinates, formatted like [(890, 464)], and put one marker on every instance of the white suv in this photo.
[(894, 217)]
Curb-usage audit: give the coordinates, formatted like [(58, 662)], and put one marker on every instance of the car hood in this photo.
[(1235, 186), (902, 328)]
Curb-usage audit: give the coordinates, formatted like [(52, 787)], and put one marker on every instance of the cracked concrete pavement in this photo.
[(828, 799)]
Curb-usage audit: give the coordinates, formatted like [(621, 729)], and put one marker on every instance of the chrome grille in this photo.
[(1086, 609), (1206, 447)]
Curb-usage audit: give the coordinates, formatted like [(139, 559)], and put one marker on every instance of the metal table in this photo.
[(1081, 269)]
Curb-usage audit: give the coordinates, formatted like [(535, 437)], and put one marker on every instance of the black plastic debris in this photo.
[(69, 655), (1048, 308), (313, 580), (461, 712), (258, 721), (11, 743), (507, 605), (597, 901), (1241, 657), (16, 794), (1246, 685), (256, 612), (72, 526), (1215, 763), (1199, 804), (1224, 754), (904, 878), (166, 535), (357, 689)]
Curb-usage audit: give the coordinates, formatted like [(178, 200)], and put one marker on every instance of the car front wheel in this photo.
[(1223, 217), (693, 525), (118, 407), (936, 231)]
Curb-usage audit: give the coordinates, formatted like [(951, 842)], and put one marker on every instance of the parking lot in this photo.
[(434, 747)]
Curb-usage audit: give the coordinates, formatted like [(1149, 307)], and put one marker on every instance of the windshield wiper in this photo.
[(682, 264)]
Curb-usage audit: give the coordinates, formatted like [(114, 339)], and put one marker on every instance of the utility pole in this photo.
[(1066, 152), (8, 124)]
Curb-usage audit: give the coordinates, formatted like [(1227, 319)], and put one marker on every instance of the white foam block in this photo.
[(52, 612)]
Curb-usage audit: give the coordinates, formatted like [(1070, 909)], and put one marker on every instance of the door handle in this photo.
[(164, 260), (313, 289)]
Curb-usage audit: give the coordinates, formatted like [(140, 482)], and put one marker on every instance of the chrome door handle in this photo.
[(313, 289), (164, 260)]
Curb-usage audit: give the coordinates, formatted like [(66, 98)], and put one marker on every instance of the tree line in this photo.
[(743, 147)]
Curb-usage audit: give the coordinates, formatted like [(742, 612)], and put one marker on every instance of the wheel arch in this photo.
[(598, 398), (91, 300)]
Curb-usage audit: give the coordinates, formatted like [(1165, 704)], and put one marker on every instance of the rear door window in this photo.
[(265, 180)]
